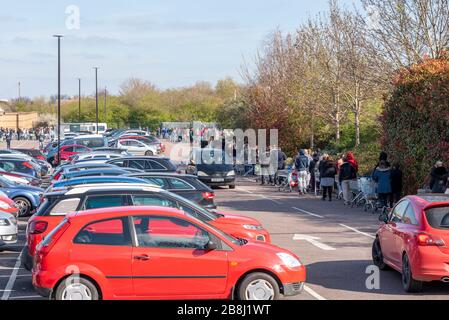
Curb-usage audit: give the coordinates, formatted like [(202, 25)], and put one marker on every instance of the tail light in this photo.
[(428, 240), (40, 158), (27, 165), (57, 176), (208, 195), (37, 227), (49, 241)]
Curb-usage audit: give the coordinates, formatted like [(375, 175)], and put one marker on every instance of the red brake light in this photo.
[(45, 246), (56, 177), (425, 239), (27, 164), (37, 227), (208, 195), (41, 158)]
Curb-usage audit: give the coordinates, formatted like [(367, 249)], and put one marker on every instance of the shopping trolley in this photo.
[(288, 179)]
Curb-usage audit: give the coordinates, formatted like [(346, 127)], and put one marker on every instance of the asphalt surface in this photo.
[(333, 241)]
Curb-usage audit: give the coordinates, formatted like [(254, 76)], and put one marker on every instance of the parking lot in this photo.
[(333, 241)]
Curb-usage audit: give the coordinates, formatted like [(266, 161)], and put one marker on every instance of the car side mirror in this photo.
[(211, 246), (383, 218)]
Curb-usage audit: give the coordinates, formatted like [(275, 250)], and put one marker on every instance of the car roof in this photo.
[(112, 187), (427, 200), (101, 178), (87, 136), (163, 174), (87, 165), (97, 170), (135, 210), (142, 158)]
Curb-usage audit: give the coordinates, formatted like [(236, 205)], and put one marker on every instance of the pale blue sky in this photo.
[(172, 43)]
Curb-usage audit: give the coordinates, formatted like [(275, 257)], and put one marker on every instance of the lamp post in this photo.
[(79, 100), (96, 95), (105, 96), (59, 97)]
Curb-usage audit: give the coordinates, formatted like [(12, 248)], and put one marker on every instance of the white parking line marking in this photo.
[(260, 196), (19, 275), (357, 231), (309, 213), (11, 280), (313, 293), (314, 241)]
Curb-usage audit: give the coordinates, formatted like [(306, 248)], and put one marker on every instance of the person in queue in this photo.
[(348, 173), (382, 175), (302, 166), (439, 178), (327, 178)]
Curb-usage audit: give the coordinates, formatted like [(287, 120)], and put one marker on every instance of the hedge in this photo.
[(416, 120)]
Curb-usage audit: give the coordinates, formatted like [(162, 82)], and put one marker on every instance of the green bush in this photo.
[(416, 120)]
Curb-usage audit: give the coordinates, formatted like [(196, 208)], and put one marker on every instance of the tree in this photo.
[(405, 31)]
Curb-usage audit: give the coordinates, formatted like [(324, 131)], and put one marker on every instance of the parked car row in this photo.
[(136, 228)]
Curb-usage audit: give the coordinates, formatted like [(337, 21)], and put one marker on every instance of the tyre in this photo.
[(76, 288), (258, 286), (149, 154), (232, 186), (24, 205), (409, 284), (378, 258)]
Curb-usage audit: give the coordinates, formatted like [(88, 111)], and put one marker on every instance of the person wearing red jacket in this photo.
[(351, 159)]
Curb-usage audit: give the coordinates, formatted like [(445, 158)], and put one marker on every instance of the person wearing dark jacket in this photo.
[(302, 166), (347, 174), (396, 183), (312, 167), (382, 176), (328, 178), (438, 178)]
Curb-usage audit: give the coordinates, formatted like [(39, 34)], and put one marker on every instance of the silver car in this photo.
[(8, 229)]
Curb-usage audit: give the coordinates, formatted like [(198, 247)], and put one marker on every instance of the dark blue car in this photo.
[(95, 180), (26, 198)]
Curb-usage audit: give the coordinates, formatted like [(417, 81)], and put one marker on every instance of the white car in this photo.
[(94, 156), (138, 148), (8, 229)]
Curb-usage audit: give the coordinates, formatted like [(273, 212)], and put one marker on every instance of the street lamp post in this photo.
[(59, 97), (79, 100), (105, 96), (96, 95)]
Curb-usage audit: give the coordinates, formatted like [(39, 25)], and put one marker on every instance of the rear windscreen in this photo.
[(438, 218)]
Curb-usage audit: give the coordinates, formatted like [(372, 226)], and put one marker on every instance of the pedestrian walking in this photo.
[(347, 174), (382, 176), (302, 166), (396, 182), (328, 178), (438, 178), (8, 139)]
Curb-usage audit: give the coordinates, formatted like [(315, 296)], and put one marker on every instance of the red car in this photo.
[(414, 240), (158, 253), (56, 205), (7, 205), (67, 152)]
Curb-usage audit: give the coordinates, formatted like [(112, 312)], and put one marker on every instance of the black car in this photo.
[(214, 172), (147, 164), (187, 186)]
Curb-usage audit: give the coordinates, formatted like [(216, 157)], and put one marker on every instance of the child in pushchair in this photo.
[(288, 179)]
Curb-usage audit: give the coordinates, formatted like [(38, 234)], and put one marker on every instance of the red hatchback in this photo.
[(414, 240), (67, 152), (158, 253)]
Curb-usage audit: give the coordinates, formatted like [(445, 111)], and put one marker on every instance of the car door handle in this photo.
[(143, 257)]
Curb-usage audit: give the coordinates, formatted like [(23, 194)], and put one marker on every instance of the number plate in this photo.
[(218, 180)]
